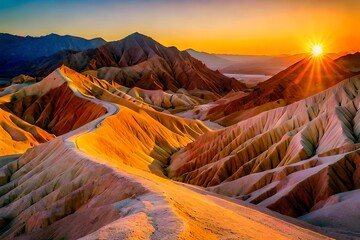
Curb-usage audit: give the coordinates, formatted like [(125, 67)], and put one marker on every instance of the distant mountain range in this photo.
[(17, 50), (251, 64), (17, 55), (137, 61)]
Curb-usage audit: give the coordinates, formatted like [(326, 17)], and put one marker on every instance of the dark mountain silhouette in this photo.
[(17, 50)]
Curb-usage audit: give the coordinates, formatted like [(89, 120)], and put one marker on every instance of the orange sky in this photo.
[(218, 26)]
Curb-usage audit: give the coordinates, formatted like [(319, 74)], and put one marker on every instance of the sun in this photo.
[(317, 50)]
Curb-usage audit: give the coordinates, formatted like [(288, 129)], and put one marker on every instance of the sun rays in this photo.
[(315, 73)]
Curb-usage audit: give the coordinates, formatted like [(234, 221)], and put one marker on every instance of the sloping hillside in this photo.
[(292, 159), (303, 79), (92, 178)]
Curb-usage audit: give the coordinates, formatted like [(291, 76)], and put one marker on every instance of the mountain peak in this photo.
[(145, 45), (53, 34), (138, 37), (136, 34)]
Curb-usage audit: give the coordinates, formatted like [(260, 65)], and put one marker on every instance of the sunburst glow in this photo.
[(317, 50)]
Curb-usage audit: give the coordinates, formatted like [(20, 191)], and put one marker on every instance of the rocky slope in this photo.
[(49, 105), (303, 79), (91, 178), (351, 62), (293, 159)]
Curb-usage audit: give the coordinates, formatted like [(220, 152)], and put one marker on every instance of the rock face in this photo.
[(16, 50), (291, 159), (303, 79), (139, 61), (51, 109)]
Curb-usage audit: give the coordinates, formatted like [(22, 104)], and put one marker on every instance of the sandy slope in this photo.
[(90, 183), (47, 191), (330, 216), (17, 135)]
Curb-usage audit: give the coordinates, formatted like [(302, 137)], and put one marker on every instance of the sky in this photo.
[(256, 27)]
